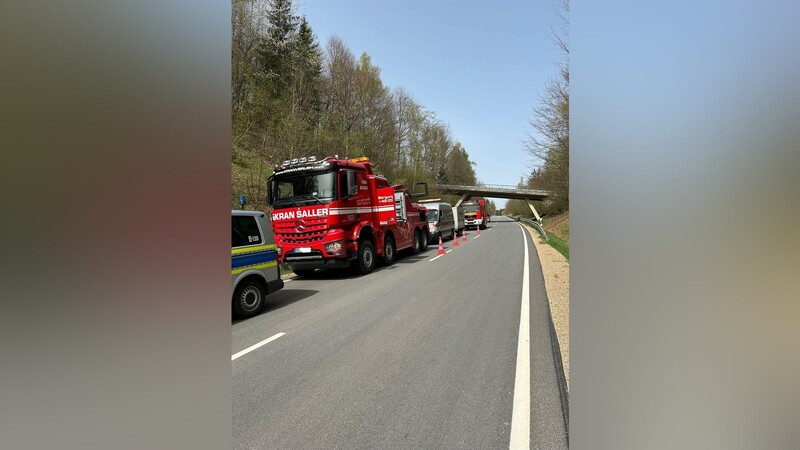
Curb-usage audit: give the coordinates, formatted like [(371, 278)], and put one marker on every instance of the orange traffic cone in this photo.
[(478, 228), (464, 234), (441, 247), (455, 240)]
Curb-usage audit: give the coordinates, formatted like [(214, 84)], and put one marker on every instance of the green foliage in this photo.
[(559, 244), (291, 99), (548, 138)]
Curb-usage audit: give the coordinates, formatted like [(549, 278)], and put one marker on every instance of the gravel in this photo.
[(555, 268)]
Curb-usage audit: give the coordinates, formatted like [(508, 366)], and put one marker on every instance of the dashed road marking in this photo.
[(255, 346)]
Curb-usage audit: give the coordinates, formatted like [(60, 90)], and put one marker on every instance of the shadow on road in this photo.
[(282, 298)]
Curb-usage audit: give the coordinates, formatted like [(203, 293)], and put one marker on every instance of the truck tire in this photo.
[(304, 272), (424, 242), (389, 251), (366, 257), (248, 299), (416, 246)]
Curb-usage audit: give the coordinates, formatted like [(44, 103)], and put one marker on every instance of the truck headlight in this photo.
[(334, 247)]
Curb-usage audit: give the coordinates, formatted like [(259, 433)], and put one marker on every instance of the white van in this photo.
[(254, 265), (440, 222)]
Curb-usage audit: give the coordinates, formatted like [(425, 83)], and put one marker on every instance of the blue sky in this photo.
[(479, 66)]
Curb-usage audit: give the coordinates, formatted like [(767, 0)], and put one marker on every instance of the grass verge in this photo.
[(559, 244)]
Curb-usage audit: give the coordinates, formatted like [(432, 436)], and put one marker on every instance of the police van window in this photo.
[(245, 231)]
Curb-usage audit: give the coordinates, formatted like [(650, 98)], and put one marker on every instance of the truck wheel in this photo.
[(304, 272), (388, 250), (366, 257), (248, 298), (424, 242), (416, 246)]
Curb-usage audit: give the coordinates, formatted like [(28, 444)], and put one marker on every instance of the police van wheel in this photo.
[(248, 298), (366, 257), (388, 250), (304, 272)]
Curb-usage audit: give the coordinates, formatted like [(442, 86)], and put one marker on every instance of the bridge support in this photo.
[(536, 214), (463, 198)]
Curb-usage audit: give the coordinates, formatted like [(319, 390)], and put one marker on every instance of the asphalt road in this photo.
[(420, 354)]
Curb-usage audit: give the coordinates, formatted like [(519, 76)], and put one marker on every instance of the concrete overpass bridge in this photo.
[(496, 191)]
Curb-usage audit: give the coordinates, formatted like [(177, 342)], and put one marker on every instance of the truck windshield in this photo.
[(471, 208), (433, 215), (304, 189)]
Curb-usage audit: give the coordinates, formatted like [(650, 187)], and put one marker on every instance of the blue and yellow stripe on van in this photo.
[(258, 257)]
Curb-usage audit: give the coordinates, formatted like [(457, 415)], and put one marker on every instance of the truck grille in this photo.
[(301, 238), (314, 231)]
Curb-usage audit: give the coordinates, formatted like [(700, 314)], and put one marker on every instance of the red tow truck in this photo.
[(475, 214), (337, 213)]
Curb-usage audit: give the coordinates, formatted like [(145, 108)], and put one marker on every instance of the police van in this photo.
[(254, 265)]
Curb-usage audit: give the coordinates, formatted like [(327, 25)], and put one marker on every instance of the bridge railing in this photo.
[(496, 187)]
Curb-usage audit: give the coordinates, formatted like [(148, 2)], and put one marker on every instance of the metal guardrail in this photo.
[(534, 224)]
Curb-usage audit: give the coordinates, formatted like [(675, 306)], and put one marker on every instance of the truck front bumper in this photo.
[(317, 261)]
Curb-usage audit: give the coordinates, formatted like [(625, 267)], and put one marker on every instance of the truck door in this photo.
[(354, 195), (387, 213)]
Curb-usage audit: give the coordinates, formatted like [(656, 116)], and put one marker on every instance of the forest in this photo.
[(293, 96)]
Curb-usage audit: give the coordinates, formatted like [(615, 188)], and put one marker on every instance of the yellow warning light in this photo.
[(360, 159)]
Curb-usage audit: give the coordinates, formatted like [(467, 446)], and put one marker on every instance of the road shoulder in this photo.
[(555, 269)]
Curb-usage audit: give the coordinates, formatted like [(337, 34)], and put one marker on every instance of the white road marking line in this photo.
[(476, 237), (255, 346), (447, 251), (521, 414), (435, 258)]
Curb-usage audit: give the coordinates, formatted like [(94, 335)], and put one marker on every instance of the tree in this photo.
[(290, 99), (547, 139)]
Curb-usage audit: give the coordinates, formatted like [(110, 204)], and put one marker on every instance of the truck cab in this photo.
[(475, 214)]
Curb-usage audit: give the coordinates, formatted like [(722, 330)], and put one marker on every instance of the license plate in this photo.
[(303, 250)]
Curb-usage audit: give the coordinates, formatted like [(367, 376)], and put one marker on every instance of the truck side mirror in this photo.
[(352, 190)]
